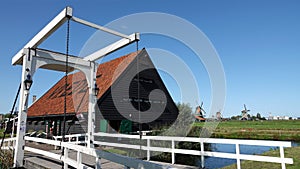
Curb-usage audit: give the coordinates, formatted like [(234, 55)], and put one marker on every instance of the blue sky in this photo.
[(257, 42)]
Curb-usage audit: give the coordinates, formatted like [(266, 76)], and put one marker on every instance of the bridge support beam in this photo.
[(22, 115), (92, 105), (34, 59)]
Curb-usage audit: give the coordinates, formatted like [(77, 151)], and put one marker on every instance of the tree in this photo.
[(184, 122), (8, 115), (236, 117), (249, 116), (258, 116)]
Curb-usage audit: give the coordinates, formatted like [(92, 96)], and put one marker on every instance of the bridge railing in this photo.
[(80, 150), (149, 148), (72, 138), (173, 150), (9, 143)]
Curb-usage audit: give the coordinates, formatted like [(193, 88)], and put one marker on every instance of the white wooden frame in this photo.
[(8, 144), (128, 162), (32, 58), (36, 58), (237, 142)]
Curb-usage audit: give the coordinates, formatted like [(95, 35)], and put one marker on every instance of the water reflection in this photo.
[(213, 162)]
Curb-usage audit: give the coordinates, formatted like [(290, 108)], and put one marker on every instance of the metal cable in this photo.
[(66, 86), (138, 97), (11, 112)]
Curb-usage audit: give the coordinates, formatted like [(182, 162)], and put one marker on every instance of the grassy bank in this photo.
[(2, 133), (292, 152), (287, 130)]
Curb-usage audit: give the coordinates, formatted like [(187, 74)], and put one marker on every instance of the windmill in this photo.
[(219, 115), (245, 113), (200, 112)]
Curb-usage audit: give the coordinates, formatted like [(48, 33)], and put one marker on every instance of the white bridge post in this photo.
[(22, 115), (202, 154), (66, 156), (282, 156), (237, 152), (34, 59), (92, 104), (173, 152), (148, 149)]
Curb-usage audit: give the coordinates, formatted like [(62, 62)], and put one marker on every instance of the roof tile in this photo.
[(52, 102)]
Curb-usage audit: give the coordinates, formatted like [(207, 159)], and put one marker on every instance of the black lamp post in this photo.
[(28, 81), (96, 90)]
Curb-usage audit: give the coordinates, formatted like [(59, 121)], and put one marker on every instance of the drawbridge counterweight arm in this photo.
[(59, 20)]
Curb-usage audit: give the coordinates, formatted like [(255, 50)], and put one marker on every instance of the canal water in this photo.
[(213, 162)]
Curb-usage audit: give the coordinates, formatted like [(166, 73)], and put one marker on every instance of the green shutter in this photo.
[(103, 125), (126, 126)]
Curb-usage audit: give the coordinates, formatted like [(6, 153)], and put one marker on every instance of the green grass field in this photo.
[(1, 132), (287, 130), (292, 152)]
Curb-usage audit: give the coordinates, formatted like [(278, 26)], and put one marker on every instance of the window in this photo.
[(143, 80)]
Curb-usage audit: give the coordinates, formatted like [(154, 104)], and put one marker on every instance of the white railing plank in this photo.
[(116, 135), (43, 152), (205, 140), (266, 159), (220, 155), (42, 140), (159, 149), (6, 148), (10, 139), (117, 145)]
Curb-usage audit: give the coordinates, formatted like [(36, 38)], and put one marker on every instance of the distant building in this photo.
[(270, 116), (199, 114), (285, 118), (1, 121), (219, 116), (279, 118)]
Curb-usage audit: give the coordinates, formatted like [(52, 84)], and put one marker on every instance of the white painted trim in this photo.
[(236, 142), (205, 140), (10, 139), (127, 161), (113, 47), (116, 135), (104, 29), (51, 27), (41, 140), (43, 152), (266, 159), (117, 145)]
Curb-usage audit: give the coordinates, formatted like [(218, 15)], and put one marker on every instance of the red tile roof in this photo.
[(52, 102)]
